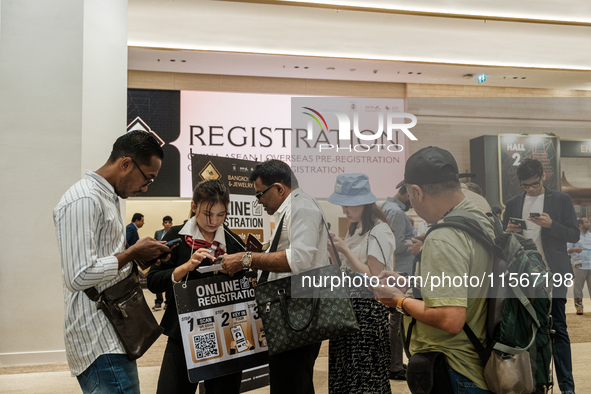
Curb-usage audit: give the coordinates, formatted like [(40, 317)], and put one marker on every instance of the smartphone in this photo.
[(534, 214), (519, 222), (173, 242), (170, 244)]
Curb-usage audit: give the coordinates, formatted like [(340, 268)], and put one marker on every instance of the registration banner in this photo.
[(220, 326)]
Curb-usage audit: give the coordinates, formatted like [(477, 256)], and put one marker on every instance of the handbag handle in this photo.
[(274, 245), (285, 313)]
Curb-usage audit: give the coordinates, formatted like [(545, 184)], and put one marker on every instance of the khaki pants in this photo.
[(581, 277)]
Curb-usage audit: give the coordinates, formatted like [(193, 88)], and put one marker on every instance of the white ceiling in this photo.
[(238, 38)]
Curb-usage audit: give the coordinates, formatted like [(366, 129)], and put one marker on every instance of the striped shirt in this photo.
[(89, 232)]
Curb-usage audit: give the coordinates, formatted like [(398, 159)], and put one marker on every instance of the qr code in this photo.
[(206, 345)]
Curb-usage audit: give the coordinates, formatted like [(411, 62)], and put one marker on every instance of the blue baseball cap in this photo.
[(351, 190)]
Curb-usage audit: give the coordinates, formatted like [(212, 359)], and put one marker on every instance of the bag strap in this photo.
[(497, 224), (480, 349), (336, 254), (265, 275), (93, 293), (234, 237), (404, 337), (378, 242), (285, 313), (466, 221)]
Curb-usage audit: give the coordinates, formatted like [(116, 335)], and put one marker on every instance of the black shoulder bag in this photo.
[(126, 308)]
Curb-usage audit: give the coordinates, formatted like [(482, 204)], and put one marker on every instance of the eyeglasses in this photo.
[(148, 180), (532, 185), (259, 195)]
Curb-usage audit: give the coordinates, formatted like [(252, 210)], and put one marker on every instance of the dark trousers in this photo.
[(291, 372), (396, 346), (561, 346), (174, 378)]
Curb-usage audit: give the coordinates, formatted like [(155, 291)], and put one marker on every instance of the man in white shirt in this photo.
[(551, 223), (302, 246), (92, 244), (580, 257)]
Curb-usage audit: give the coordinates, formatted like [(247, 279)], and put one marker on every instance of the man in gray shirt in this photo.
[(395, 208)]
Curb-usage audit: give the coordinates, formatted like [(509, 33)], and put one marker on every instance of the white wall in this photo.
[(63, 68)]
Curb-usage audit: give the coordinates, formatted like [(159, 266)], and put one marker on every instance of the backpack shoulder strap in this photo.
[(465, 221), (497, 224)]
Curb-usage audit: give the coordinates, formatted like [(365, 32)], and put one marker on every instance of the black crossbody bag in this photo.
[(427, 373)]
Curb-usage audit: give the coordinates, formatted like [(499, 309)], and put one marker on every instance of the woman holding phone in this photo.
[(203, 238), (360, 362)]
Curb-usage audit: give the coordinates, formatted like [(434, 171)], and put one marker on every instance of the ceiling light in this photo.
[(330, 68), (468, 76)]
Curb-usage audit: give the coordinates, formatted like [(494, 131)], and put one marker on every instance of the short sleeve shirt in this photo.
[(455, 270)]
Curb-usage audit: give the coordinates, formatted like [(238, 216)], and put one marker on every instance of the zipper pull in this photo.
[(122, 310), (268, 307)]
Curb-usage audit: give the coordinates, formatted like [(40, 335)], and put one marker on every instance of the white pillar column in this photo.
[(63, 76)]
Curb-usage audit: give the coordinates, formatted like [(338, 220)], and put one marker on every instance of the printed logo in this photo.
[(257, 209), (344, 129), (244, 283), (209, 172), (139, 124)]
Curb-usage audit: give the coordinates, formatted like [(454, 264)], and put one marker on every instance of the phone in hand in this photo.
[(519, 222), (173, 242), (170, 244), (534, 214)]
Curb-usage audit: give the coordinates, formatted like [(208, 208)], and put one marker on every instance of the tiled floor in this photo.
[(61, 382)]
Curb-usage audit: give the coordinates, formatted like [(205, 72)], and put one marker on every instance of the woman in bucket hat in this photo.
[(360, 362)]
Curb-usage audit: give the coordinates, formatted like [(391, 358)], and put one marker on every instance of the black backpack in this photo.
[(519, 300)]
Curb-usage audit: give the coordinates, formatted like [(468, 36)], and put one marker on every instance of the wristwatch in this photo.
[(247, 260), (399, 307)]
